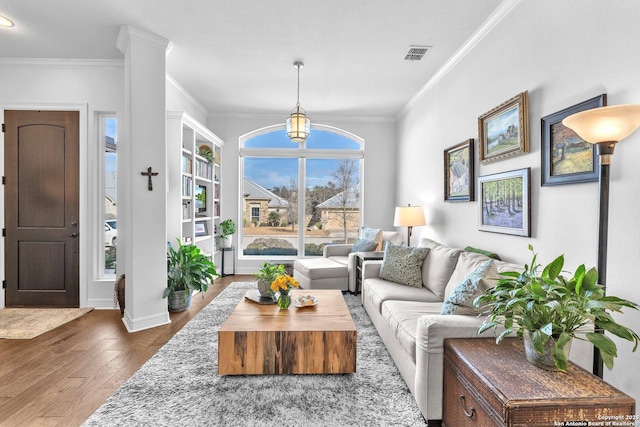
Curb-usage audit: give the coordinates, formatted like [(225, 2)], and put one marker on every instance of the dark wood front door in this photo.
[(41, 208)]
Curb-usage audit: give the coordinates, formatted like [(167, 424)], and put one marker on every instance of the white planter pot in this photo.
[(227, 241)]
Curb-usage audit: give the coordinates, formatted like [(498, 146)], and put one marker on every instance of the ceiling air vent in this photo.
[(415, 53)]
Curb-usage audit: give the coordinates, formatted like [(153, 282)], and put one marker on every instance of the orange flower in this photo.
[(284, 284)]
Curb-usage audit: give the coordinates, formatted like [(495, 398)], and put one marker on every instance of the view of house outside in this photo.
[(285, 212), (108, 134)]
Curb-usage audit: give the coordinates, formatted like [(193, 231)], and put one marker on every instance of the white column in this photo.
[(142, 241)]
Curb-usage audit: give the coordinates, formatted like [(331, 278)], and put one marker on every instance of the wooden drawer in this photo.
[(506, 390)]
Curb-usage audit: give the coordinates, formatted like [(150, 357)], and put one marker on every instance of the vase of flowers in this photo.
[(282, 285)]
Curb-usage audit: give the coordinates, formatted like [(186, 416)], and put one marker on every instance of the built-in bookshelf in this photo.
[(193, 201)]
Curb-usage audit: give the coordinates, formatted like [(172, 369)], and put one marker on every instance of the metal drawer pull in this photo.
[(464, 409)]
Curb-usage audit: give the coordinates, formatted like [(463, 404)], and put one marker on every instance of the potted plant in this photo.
[(548, 311), (266, 275), (188, 270), (227, 229)]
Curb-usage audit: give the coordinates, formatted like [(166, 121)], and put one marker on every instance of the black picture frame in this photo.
[(505, 202), (556, 137), (459, 175)]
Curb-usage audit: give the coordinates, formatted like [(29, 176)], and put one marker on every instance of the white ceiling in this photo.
[(236, 56)]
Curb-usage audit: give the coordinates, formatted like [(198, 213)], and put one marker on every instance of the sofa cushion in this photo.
[(374, 234), (403, 264), (364, 245), (379, 290), (391, 236), (467, 263), (344, 260), (438, 266), (320, 268), (461, 299), (402, 318)]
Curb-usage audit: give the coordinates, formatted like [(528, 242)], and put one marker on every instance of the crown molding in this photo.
[(63, 63), (127, 33), (496, 16), (187, 95)]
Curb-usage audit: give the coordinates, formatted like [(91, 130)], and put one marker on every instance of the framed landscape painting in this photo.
[(567, 158), (505, 202), (504, 131), (459, 179)]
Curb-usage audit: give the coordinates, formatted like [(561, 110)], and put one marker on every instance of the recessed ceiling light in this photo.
[(5, 22)]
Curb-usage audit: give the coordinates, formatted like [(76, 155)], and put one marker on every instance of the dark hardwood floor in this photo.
[(60, 378)]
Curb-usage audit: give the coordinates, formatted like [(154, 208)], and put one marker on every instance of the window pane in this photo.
[(270, 206), (275, 139), (320, 139), (109, 132), (332, 203)]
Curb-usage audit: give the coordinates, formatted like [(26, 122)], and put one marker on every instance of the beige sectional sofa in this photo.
[(409, 322), (336, 269)]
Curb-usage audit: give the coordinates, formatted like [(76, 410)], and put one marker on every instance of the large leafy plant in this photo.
[(552, 307), (227, 228), (188, 269)]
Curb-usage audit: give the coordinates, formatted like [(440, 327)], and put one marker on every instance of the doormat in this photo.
[(27, 323)]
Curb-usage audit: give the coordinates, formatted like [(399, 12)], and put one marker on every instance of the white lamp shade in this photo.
[(605, 124), (409, 216)]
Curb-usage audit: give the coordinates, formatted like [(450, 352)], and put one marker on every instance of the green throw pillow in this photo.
[(483, 252), (461, 299), (402, 264)]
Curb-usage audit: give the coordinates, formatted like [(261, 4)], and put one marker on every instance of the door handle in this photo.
[(74, 235)]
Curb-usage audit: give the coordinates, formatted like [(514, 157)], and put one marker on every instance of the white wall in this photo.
[(562, 53), (95, 86), (379, 173)]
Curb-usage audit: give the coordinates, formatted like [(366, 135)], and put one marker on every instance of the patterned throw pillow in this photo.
[(374, 234), (363, 245), (402, 264), (461, 299)]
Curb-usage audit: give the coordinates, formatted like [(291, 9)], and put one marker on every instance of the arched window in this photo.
[(298, 197)]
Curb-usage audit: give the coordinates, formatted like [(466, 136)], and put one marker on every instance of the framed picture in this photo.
[(567, 158), (504, 131), (459, 178), (505, 202), (201, 228)]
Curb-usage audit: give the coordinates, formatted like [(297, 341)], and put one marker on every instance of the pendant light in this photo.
[(298, 124)]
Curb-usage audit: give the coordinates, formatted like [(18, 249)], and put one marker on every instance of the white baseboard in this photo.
[(148, 322)]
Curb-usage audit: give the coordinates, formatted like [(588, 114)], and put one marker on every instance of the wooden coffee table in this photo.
[(262, 339)]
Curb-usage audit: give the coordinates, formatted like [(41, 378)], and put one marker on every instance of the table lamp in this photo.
[(409, 216)]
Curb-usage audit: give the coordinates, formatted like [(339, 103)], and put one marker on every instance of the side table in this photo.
[(488, 384), (231, 249), (360, 258)]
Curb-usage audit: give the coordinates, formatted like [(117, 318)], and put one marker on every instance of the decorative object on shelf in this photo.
[(554, 310), (206, 152), (201, 228), (459, 177), (282, 285), (266, 275), (227, 229), (504, 131), (604, 127), (505, 202), (409, 216), (566, 157), (298, 124), (149, 174), (188, 270)]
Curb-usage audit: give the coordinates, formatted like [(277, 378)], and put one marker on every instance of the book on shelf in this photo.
[(187, 186), (187, 164), (204, 169)]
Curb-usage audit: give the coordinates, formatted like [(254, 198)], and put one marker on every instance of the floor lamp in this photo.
[(604, 127), (409, 216)]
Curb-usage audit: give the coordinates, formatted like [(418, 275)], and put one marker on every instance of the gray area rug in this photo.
[(180, 385)]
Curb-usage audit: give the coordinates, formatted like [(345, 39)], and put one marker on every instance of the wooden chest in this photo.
[(486, 384)]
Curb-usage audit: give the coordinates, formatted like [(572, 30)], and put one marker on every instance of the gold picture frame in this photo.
[(503, 132)]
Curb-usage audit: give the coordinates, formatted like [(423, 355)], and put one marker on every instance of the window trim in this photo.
[(102, 117), (301, 153)]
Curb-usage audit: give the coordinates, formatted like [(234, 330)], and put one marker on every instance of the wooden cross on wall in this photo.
[(149, 174)]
